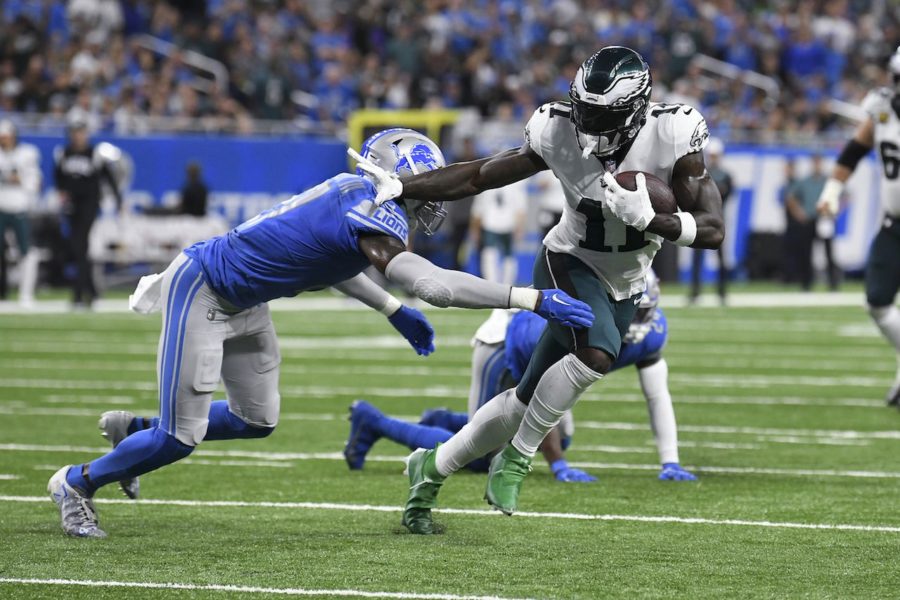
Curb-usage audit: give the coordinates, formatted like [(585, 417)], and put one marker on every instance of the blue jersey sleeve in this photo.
[(652, 343), (389, 219)]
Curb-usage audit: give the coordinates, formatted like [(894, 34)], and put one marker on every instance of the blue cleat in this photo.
[(675, 472), (363, 417)]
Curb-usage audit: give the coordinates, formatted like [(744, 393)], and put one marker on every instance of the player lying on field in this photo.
[(599, 252), (216, 323), (501, 349)]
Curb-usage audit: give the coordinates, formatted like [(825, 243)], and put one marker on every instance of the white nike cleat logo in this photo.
[(555, 298)]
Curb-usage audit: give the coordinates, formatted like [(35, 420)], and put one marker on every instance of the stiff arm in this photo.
[(464, 179)]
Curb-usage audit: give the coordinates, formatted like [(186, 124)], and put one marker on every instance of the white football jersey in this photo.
[(619, 255), (17, 194), (877, 105)]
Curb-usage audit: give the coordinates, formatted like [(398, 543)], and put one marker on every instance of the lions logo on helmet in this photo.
[(407, 152), (610, 96), (643, 318)]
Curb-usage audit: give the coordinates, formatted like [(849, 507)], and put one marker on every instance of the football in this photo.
[(661, 196)]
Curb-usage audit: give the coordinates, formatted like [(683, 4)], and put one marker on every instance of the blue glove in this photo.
[(559, 306), (563, 472), (675, 472), (413, 325)]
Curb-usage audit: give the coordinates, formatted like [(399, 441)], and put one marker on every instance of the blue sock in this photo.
[(140, 453), (412, 434), (224, 425)]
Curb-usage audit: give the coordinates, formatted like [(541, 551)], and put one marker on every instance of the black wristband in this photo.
[(852, 153)]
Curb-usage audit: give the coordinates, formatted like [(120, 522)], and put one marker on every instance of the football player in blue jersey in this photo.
[(216, 321), (502, 348)]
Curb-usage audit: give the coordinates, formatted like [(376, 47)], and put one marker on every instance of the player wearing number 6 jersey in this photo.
[(599, 252), (881, 130), (216, 322)]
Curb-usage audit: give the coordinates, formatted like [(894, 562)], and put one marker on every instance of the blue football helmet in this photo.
[(407, 152)]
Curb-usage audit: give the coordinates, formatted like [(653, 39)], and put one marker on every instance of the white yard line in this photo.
[(9, 477), (243, 589), (479, 512), (270, 457)]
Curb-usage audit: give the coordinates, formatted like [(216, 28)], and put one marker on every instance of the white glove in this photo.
[(388, 184), (830, 198), (633, 208)]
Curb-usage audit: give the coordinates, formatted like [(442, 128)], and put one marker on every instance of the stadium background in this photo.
[(260, 94)]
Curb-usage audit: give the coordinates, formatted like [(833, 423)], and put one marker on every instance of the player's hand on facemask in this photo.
[(563, 472), (631, 207), (675, 472), (559, 306), (413, 325), (387, 184)]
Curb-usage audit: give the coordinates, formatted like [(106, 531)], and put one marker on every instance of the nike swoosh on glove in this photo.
[(413, 325), (563, 308)]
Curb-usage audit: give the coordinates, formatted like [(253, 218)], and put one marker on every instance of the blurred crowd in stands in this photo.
[(315, 61)]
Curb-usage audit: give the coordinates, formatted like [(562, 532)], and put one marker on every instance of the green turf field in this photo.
[(779, 409)]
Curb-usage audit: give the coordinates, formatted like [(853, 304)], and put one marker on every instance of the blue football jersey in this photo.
[(307, 242), (652, 343), (525, 329)]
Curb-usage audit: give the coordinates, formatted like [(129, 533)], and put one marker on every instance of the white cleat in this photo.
[(114, 427), (79, 517)]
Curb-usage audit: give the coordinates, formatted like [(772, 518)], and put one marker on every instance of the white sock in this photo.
[(655, 383), (888, 320), (556, 392), (491, 427), (490, 264)]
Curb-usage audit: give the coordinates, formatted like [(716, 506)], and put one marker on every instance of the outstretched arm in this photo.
[(411, 323), (461, 180), (443, 287)]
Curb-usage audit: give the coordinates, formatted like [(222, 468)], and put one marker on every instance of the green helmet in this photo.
[(610, 96)]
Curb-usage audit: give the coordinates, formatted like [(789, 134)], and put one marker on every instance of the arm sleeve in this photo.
[(443, 288), (368, 292)]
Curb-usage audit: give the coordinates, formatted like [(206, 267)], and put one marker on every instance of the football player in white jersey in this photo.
[(600, 251), (20, 184), (881, 129)]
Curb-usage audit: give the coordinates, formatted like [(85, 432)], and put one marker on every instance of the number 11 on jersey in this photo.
[(602, 235)]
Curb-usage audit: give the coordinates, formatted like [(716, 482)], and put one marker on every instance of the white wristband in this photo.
[(688, 229), (391, 305), (524, 298)]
